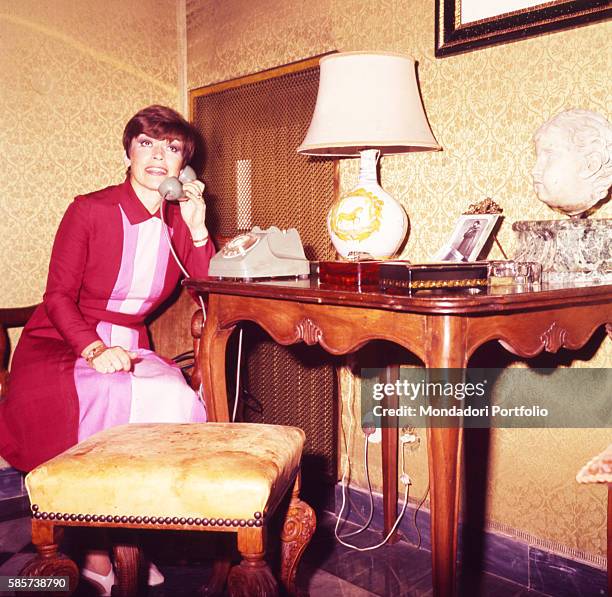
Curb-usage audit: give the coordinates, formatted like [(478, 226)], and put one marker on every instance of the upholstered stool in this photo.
[(197, 477), (599, 470)]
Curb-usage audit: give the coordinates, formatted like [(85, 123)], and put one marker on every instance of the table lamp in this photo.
[(368, 105)]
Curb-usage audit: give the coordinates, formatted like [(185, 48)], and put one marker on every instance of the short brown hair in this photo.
[(161, 122)]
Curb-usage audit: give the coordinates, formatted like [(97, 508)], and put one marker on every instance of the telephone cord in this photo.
[(201, 301)]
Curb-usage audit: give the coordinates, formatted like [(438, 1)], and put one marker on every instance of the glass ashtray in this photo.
[(503, 273)]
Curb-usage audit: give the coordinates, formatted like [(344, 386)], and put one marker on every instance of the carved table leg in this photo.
[(252, 577), (211, 360), (446, 355), (444, 465), (299, 527), (389, 441), (49, 561)]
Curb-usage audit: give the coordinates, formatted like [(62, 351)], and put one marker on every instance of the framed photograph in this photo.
[(463, 25), (469, 237)]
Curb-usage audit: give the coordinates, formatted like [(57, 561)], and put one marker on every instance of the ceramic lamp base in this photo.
[(367, 221)]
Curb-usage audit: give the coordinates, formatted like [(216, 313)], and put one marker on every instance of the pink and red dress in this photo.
[(110, 268)]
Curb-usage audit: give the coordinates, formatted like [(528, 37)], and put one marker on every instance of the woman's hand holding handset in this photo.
[(189, 193), (193, 211), (105, 359)]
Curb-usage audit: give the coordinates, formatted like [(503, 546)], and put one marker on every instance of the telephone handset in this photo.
[(171, 189)]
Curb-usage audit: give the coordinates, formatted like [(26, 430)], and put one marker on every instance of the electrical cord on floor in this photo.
[(404, 478), (371, 514), (416, 512)]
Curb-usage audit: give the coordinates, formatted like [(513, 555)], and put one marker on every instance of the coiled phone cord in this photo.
[(201, 301)]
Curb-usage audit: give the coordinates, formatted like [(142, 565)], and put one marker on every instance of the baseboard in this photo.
[(16, 507), (516, 557), (13, 498)]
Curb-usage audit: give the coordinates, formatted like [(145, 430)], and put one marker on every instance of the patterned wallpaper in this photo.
[(71, 74), (483, 108)]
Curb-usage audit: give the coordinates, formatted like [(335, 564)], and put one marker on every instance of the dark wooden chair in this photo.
[(10, 318)]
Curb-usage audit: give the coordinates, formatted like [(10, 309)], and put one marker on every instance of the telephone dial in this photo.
[(171, 189), (269, 253)]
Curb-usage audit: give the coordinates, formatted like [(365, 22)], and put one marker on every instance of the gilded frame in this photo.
[(454, 37)]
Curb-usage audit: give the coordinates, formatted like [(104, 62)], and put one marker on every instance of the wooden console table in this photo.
[(442, 330)]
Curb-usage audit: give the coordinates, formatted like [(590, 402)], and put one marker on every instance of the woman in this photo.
[(83, 362)]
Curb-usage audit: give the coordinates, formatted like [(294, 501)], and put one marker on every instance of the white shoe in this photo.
[(155, 576), (103, 583)]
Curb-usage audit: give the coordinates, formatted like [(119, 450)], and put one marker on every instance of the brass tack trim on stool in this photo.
[(256, 521)]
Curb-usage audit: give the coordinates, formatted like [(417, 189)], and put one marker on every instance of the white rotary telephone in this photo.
[(269, 253)]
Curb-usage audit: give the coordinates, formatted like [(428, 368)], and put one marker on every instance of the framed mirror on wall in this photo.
[(464, 25)]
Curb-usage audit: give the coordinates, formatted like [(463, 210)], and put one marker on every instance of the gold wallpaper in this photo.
[(483, 108), (71, 74)]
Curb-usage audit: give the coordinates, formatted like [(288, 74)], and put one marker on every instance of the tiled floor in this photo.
[(329, 569)]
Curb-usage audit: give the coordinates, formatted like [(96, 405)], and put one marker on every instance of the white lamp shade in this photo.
[(367, 101)]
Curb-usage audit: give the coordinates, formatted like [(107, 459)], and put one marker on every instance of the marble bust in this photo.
[(573, 169)]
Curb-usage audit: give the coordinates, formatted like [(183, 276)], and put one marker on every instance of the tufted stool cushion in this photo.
[(206, 471)]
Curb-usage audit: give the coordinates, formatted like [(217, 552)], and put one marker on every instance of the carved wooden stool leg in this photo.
[(252, 577), (128, 560), (299, 527), (49, 561)]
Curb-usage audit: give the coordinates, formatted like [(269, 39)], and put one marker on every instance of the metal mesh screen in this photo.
[(253, 173), (255, 177)]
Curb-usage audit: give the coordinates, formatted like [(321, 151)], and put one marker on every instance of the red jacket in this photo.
[(39, 418)]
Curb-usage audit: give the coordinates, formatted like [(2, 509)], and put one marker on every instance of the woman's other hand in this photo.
[(114, 358), (194, 209)]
